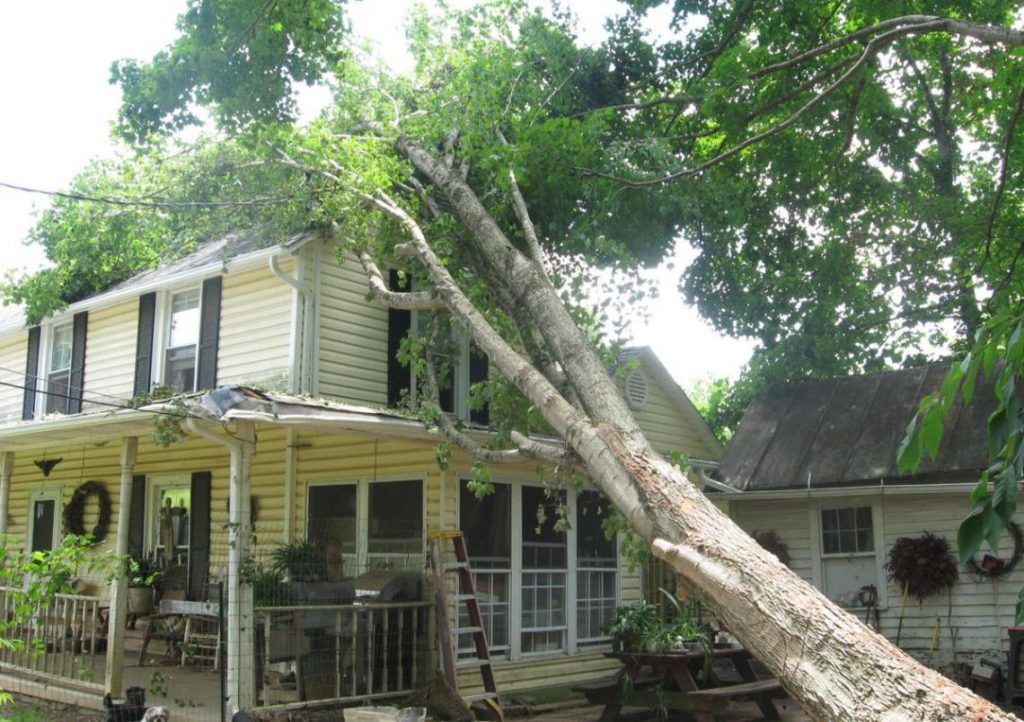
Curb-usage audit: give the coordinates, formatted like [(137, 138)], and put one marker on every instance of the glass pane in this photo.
[(593, 547), (543, 547), (396, 522), (60, 353), (829, 520), (865, 540), (487, 524), (172, 524), (57, 387), (184, 319), (847, 540), (830, 542), (180, 371), (332, 526), (42, 525), (864, 517), (846, 518)]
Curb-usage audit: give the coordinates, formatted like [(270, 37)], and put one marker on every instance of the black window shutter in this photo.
[(209, 334), (399, 375), (28, 408), (479, 365), (76, 382), (144, 344), (199, 536), (137, 521)]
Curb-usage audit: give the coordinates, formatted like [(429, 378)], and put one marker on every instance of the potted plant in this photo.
[(142, 575), (300, 561), (633, 625)]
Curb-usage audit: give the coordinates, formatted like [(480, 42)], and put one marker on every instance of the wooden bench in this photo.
[(761, 690)]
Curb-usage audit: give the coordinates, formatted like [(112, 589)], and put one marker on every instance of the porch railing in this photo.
[(342, 653), (59, 640)]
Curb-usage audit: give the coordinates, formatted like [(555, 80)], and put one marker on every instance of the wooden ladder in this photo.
[(465, 593)]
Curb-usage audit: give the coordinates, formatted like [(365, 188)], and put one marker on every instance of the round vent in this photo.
[(636, 389)]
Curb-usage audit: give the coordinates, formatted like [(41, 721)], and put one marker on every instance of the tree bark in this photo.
[(833, 665)]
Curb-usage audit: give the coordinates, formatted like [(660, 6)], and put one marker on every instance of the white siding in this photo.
[(971, 620), (353, 334)]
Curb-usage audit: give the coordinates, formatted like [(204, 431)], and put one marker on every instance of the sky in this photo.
[(56, 56)]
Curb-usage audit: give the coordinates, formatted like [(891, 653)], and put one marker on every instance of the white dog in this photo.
[(157, 714)]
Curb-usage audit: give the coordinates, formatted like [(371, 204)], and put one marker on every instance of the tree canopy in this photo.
[(849, 172)]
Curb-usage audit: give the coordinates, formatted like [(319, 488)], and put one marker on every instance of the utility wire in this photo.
[(268, 201), (181, 415), (46, 380)]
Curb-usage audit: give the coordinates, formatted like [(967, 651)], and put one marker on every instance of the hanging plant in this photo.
[(922, 566), (770, 542), (74, 512)]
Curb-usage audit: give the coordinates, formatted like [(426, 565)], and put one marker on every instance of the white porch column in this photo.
[(119, 589), (6, 471), (241, 692)]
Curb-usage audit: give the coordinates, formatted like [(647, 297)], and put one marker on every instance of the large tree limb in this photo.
[(522, 213), (405, 300)]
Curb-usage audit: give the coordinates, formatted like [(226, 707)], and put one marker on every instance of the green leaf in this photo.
[(969, 536), (931, 430), (908, 457)]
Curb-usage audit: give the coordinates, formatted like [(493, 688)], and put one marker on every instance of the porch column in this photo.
[(6, 471), (119, 589), (241, 671)]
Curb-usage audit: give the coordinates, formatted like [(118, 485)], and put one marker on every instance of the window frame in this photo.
[(43, 361), (151, 528), (362, 485), (162, 332), (819, 558), (460, 376), (515, 602), (67, 325)]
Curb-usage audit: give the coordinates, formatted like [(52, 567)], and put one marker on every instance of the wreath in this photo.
[(922, 566), (74, 512), (771, 542), (992, 566)]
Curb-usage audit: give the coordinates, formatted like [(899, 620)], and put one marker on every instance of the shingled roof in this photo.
[(847, 431)]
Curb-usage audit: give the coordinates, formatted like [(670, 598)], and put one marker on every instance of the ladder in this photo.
[(465, 594)]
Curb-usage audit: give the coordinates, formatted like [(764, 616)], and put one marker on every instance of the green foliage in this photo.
[(633, 624), (997, 354), (710, 397), (300, 561), (241, 58), (144, 572), (95, 244)]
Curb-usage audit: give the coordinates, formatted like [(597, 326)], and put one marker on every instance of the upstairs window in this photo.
[(58, 377), (182, 341)]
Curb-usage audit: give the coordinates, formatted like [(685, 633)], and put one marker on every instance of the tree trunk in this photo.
[(833, 665)]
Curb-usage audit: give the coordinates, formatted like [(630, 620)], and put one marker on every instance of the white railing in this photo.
[(59, 640), (342, 653)]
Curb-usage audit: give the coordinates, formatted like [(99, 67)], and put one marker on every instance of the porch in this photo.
[(305, 655)]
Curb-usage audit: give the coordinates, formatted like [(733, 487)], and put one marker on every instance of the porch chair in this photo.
[(190, 628)]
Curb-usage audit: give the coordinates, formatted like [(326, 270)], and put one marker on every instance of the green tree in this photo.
[(495, 174)]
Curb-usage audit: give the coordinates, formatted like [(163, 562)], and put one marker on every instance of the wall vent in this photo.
[(635, 385)]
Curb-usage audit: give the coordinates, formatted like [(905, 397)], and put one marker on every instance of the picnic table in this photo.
[(671, 679)]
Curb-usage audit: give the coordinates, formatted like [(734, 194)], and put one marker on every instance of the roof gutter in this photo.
[(847, 491)]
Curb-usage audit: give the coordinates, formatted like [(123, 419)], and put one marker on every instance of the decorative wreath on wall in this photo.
[(922, 566), (74, 512), (991, 566)]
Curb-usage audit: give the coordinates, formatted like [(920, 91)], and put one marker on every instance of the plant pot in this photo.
[(140, 600)]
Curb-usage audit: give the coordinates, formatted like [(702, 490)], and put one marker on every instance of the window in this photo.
[(58, 376), (849, 559), (44, 523), (596, 570), (541, 590), (487, 526), (182, 341), (367, 525), (169, 505)]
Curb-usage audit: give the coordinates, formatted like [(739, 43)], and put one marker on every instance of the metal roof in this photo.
[(847, 431)]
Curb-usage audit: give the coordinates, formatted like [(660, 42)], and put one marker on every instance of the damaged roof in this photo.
[(847, 432)]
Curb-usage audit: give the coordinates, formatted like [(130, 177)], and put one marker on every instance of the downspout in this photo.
[(240, 670), (305, 364)]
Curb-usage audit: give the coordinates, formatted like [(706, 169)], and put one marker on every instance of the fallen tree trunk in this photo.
[(833, 665)]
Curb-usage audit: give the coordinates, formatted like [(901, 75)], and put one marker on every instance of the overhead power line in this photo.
[(266, 201)]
